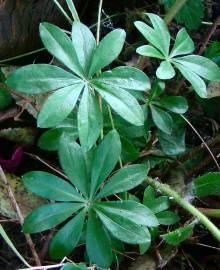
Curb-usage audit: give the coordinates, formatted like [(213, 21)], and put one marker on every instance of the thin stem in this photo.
[(19, 214), (164, 188), (210, 212), (200, 137), (63, 11), (174, 10)]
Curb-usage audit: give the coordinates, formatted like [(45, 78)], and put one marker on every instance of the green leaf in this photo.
[(157, 88), (72, 9), (40, 78), (84, 43), (107, 51), (60, 46), (106, 157), (165, 71), (162, 119), (125, 179), (129, 151), (156, 205), (50, 139), (206, 184), (122, 103), (98, 245), (71, 266), (173, 144), (51, 187), (150, 51), (176, 104), (124, 229), (125, 78), (179, 235), (144, 247), (162, 32), (200, 65), (89, 120), (167, 217), (72, 160), (48, 216), (67, 237), (183, 44), (58, 106), (133, 211), (197, 83)]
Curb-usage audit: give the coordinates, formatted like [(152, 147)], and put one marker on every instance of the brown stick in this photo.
[(19, 214)]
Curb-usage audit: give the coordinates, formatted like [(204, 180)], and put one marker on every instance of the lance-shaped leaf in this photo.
[(98, 245), (176, 104), (58, 106), (183, 44), (48, 216), (107, 51), (89, 119), (126, 78), (67, 237), (150, 51), (72, 160), (165, 71), (197, 83), (124, 229), (125, 179), (136, 212), (122, 102), (167, 217), (60, 46), (51, 187), (40, 78), (71, 266), (84, 43), (106, 157), (200, 65), (162, 119)]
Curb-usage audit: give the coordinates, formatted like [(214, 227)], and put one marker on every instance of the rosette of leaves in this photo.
[(161, 107), (83, 59), (84, 196), (194, 68)]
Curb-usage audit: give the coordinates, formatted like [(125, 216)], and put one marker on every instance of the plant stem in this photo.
[(210, 212), (63, 11), (164, 188), (174, 10)]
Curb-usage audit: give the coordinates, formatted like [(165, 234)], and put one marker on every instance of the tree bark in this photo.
[(19, 24)]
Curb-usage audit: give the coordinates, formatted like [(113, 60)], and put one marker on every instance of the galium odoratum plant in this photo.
[(83, 60), (85, 198), (194, 68)]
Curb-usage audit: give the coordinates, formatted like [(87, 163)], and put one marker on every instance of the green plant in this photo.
[(194, 68), (126, 221)]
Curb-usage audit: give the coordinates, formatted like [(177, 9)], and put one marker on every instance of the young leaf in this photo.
[(131, 210), (206, 184), (107, 51), (67, 237), (58, 106), (60, 46), (165, 71), (197, 83), (173, 144), (48, 216), (125, 78), (124, 229), (98, 245), (51, 187), (167, 217), (162, 32), (156, 205), (200, 65), (176, 104), (125, 179), (122, 103), (84, 43), (183, 44), (162, 119), (157, 88), (179, 235), (150, 51), (71, 266), (106, 157), (89, 119), (73, 163), (73, 11), (40, 78)]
